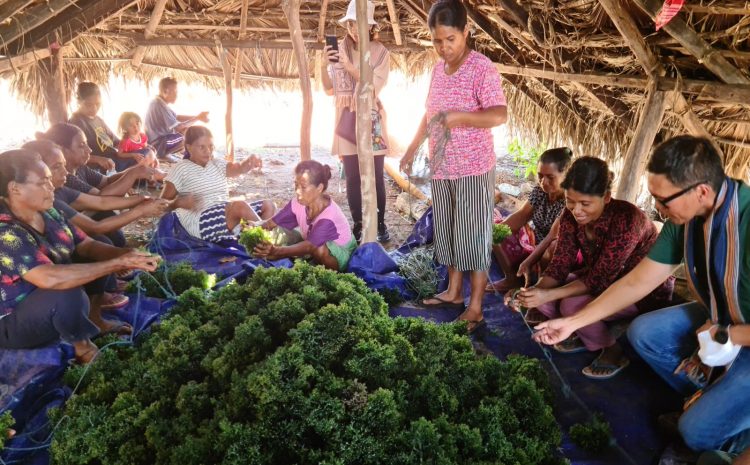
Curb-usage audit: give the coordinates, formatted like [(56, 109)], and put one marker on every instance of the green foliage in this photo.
[(526, 156), (171, 280), (6, 424), (420, 272), (251, 237), (592, 436), (500, 232), (305, 366)]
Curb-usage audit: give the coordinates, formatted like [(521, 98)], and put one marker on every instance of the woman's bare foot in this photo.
[(504, 285), (442, 299)]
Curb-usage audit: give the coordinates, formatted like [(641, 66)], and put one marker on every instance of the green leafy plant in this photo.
[(525, 156), (303, 365), (593, 436), (171, 280), (251, 237), (500, 232), (420, 272), (6, 425)]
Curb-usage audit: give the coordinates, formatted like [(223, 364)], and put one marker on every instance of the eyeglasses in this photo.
[(666, 200)]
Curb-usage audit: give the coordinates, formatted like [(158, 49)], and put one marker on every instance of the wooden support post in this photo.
[(364, 129), (634, 162), (291, 10), (55, 97), (227, 69), (241, 53), (322, 20), (153, 22), (393, 15)]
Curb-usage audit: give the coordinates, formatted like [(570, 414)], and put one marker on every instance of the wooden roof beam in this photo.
[(697, 47), (393, 15), (240, 36), (322, 20), (521, 16), (32, 19), (416, 10), (220, 74), (725, 8), (11, 7), (156, 15), (651, 64)]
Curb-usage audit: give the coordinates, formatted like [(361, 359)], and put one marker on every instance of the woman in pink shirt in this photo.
[(465, 98)]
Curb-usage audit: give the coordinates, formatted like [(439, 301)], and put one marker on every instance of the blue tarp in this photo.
[(30, 380)]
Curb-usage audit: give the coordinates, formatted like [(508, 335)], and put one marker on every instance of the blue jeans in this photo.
[(720, 418)]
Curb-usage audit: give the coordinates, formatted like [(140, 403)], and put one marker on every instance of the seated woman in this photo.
[(200, 191), (138, 206), (103, 143), (82, 178), (42, 297), (613, 237), (546, 202), (326, 234)]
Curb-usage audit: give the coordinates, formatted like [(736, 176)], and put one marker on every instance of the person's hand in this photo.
[(104, 163), (524, 269), (553, 331), (202, 116), (707, 325), (156, 207), (137, 157), (331, 55), (138, 260), (252, 162), (407, 160), (532, 297), (265, 250)]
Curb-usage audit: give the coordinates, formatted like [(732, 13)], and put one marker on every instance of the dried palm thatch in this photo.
[(567, 36)]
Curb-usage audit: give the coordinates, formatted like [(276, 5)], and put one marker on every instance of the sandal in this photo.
[(474, 326), (442, 303), (571, 345), (603, 370), (114, 301)]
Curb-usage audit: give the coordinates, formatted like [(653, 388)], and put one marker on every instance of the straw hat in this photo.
[(351, 13)]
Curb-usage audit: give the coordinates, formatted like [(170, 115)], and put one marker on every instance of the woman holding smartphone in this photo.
[(340, 75)]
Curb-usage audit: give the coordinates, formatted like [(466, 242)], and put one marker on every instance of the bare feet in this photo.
[(85, 351), (503, 285)]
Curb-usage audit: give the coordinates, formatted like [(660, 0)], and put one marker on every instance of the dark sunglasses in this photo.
[(684, 191)]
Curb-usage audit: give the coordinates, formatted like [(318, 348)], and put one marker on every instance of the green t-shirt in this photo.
[(669, 249)]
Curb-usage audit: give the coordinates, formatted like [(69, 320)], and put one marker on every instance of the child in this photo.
[(134, 141), (203, 205)]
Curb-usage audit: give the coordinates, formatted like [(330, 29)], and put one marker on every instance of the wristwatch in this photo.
[(722, 334)]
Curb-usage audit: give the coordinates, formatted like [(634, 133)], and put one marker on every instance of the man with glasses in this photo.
[(708, 229)]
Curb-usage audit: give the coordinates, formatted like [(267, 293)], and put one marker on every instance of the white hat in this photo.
[(351, 13)]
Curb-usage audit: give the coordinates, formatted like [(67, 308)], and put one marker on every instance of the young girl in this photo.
[(326, 235), (200, 180), (134, 140)]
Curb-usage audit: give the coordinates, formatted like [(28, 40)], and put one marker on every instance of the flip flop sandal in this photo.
[(610, 369), (115, 301), (571, 345), (120, 329), (443, 304), (474, 326)]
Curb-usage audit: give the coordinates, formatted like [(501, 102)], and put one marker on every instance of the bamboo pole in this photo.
[(227, 72), (19, 61), (364, 129), (322, 20), (393, 15), (634, 162), (54, 86), (240, 53), (153, 22), (291, 9)]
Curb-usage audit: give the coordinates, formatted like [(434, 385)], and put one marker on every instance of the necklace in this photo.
[(460, 61)]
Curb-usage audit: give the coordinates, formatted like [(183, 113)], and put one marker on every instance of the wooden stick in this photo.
[(393, 15), (21, 61), (156, 15), (241, 35), (227, 72), (245, 44), (55, 98), (740, 8), (634, 161), (32, 19), (322, 20), (12, 7), (291, 9), (364, 129), (220, 73), (202, 27), (697, 47)]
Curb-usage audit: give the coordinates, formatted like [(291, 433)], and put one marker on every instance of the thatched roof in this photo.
[(564, 61)]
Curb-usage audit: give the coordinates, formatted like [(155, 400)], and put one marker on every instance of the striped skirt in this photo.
[(213, 222), (463, 210)]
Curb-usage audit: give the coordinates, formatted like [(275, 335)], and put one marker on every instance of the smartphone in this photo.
[(332, 42)]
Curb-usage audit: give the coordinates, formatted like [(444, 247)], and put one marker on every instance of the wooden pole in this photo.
[(634, 162), (153, 22), (364, 129), (227, 68), (241, 53), (54, 86), (393, 15), (291, 10)]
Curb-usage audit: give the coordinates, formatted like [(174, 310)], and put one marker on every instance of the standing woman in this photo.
[(340, 75), (466, 98)]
